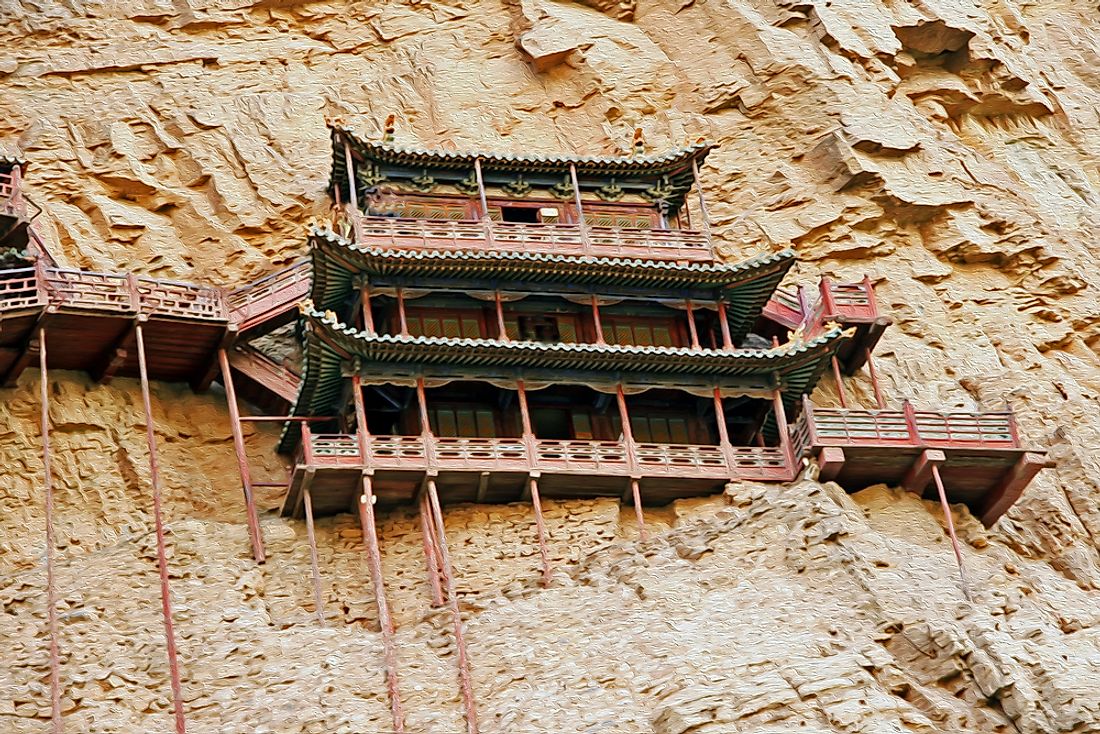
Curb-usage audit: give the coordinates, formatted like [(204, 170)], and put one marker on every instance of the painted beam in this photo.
[(1011, 487), (920, 473)]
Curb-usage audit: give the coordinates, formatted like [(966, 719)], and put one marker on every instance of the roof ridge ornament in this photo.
[(637, 149), (388, 129)]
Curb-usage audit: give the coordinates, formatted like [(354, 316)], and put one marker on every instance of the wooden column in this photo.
[(879, 400), (781, 426), (704, 214), (529, 441), (724, 325), (723, 432), (482, 199), (632, 460), (501, 327), (51, 589), (385, 621), (947, 516), (362, 430), (158, 519), (255, 534), (314, 566), (402, 320), (596, 319), (427, 530), (364, 303), (577, 202), (465, 680), (693, 329), (349, 164), (839, 383)]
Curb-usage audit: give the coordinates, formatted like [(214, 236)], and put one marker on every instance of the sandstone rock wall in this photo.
[(948, 148)]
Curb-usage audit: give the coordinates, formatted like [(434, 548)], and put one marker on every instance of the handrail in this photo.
[(834, 426)]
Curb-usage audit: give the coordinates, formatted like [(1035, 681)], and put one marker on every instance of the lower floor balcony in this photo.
[(978, 457)]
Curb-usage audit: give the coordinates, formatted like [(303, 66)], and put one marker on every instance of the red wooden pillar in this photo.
[(51, 589), (427, 530), (583, 225), (724, 325), (403, 322), (839, 383), (951, 529), (704, 214), (314, 566), (254, 533), (385, 621), (693, 329), (162, 560), (465, 679), (723, 432), (532, 461), (879, 400), (353, 199), (502, 329), (596, 320), (368, 315), (632, 460), (781, 427)]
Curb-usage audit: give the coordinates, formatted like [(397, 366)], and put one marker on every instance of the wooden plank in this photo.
[(920, 472)]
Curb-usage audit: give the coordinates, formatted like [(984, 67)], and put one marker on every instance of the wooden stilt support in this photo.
[(540, 527), (919, 474), (951, 530), (596, 322), (839, 383), (639, 513), (255, 535), (693, 329), (724, 326), (704, 214), (158, 519), (314, 567), (465, 681), (51, 589), (577, 203), (879, 400), (385, 621), (427, 529), (781, 427)]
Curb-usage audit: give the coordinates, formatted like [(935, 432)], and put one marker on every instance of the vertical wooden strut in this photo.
[(532, 458), (723, 432), (368, 315), (502, 329), (427, 529), (465, 681), (632, 459), (254, 533), (874, 382), (577, 202), (704, 214), (349, 164), (724, 325), (314, 566), (158, 519), (951, 530), (840, 384), (693, 330), (596, 321), (374, 555), (402, 318), (781, 427), (51, 590)]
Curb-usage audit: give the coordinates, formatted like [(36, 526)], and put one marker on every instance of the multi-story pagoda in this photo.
[(494, 328)]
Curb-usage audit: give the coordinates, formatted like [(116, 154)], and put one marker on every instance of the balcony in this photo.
[(553, 239), (495, 469), (979, 456)]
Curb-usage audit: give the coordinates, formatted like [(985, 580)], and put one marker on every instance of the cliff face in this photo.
[(946, 148)]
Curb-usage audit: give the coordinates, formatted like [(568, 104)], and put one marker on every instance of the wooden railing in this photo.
[(845, 302), (907, 427), (277, 292), (109, 292), (669, 244), (12, 202), (580, 456)]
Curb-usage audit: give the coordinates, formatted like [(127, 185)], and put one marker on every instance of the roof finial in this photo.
[(639, 143), (387, 131)]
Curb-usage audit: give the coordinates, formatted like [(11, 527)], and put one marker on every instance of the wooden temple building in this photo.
[(502, 328)]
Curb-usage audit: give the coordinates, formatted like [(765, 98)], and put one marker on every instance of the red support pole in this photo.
[(839, 383), (51, 590), (583, 225), (951, 529), (879, 400), (314, 567), (162, 559), (781, 426), (632, 459), (403, 322), (723, 432), (724, 325), (501, 328), (540, 527), (428, 532), (465, 680), (368, 315), (385, 621), (596, 320), (693, 330), (255, 535)]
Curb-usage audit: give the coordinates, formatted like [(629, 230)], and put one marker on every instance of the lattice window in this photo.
[(624, 217), (463, 422), (638, 334), (391, 205), (450, 326)]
